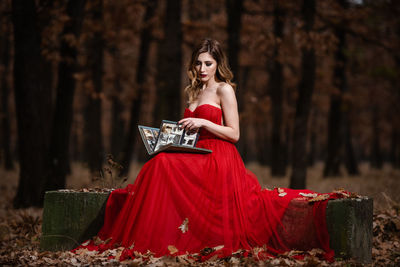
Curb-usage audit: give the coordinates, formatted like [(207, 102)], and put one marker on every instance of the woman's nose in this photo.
[(202, 67)]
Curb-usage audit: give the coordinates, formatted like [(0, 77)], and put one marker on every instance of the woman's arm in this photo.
[(230, 130)]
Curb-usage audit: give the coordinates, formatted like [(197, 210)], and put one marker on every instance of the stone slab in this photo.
[(349, 223), (70, 218)]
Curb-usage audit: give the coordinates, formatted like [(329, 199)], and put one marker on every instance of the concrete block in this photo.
[(349, 223), (70, 218)]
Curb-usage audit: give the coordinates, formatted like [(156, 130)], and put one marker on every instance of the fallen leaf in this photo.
[(308, 194), (97, 240), (319, 198), (354, 195), (86, 243), (205, 251), (218, 247), (184, 226), (172, 249)]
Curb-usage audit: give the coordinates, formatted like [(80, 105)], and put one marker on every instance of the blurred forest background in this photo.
[(318, 81)]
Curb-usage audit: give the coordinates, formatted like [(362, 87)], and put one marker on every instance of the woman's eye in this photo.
[(208, 64), (198, 63)]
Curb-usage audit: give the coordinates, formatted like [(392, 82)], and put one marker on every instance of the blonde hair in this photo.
[(223, 72)]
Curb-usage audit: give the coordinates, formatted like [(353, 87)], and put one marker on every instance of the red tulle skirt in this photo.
[(193, 201)]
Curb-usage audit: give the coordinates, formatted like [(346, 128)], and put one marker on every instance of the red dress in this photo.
[(193, 201)]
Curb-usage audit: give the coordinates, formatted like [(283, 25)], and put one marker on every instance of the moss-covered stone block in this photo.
[(349, 223), (70, 218)]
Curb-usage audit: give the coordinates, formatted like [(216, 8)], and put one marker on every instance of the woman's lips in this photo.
[(203, 75)]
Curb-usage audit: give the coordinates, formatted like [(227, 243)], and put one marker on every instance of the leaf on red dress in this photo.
[(281, 192), (184, 226), (218, 247)]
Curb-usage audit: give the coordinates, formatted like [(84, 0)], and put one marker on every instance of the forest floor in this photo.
[(20, 230)]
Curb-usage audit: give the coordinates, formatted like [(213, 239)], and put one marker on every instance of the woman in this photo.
[(191, 201)]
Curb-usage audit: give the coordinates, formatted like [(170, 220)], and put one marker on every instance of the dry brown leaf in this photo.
[(308, 194), (294, 252), (354, 195), (172, 249), (205, 251), (213, 258), (342, 192), (97, 240), (319, 198), (316, 251), (4, 232)]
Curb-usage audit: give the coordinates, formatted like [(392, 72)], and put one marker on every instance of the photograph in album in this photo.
[(170, 137), (149, 136)]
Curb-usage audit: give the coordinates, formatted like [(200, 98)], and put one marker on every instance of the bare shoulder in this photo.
[(225, 89)]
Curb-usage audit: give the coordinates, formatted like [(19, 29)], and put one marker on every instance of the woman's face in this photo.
[(206, 66)]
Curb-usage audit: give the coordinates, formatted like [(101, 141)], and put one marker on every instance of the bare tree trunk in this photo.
[(262, 141), (4, 96), (278, 167), (44, 17), (350, 159), (305, 89), (287, 155), (395, 148), (32, 104), (242, 145), (395, 142), (58, 157), (376, 156), (332, 162), (168, 102), (117, 123), (234, 9), (312, 153), (313, 147), (129, 140), (339, 134), (93, 133)]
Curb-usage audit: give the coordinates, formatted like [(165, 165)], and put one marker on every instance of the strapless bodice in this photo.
[(208, 112)]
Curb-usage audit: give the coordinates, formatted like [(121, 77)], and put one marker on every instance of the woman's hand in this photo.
[(192, 124)]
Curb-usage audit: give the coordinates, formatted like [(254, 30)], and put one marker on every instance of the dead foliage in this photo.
[(20, 232)]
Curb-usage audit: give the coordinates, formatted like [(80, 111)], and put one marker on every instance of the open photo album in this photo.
[(170, 137)]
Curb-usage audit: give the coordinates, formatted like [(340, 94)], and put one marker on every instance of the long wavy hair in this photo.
[(222, 74)]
